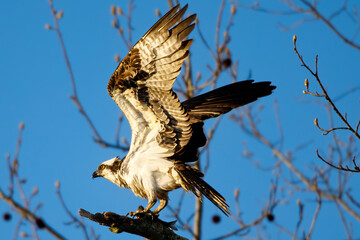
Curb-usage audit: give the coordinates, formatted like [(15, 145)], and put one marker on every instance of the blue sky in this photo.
[(57, 142)]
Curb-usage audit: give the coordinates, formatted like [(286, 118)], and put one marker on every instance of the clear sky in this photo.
[(57, 141)]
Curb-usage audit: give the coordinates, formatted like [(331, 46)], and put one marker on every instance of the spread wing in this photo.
[(142, 86)]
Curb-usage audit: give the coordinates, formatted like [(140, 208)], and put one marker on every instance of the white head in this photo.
[(109, 170)]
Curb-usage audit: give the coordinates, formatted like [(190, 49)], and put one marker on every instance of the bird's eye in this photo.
[(101, 167)]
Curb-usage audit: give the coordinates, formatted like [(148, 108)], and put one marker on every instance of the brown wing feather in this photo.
[(142, 83)]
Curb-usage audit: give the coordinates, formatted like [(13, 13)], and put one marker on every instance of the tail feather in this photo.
[(192, 181), (224, 99)]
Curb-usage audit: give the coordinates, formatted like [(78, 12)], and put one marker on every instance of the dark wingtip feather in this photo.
[(224, 99)]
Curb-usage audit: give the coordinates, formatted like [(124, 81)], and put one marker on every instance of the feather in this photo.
[(224, 99), (192, 182)]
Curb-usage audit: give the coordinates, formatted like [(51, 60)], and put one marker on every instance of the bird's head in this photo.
[(108, 169)]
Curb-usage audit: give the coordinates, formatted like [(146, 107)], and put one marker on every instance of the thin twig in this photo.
[(330, 25), (315, 217), (19, 181), (74, 219), (356, 167), (301, 217)]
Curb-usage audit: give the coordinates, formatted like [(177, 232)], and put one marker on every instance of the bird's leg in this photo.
[(163, 203), (151, 203), (141, 210)]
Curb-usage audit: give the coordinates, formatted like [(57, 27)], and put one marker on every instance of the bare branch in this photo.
[(326, 132), (332, 104), (351, 198), (74, 97), (73, 218), (317, 211), (301, 217), (316, 13), (115, 11), (356, 167)]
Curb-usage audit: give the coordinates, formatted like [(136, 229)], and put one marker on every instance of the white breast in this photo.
[(148, 174)]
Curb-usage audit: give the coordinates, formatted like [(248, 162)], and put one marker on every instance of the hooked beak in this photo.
[(95, 175)]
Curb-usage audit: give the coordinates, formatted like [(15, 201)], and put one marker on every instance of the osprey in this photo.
[(167, 133)]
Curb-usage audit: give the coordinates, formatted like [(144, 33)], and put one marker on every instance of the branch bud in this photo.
[(316, 122), (227, 51), (294, 38), (21, 126), (157, 12), (117, 58), (35, 191), (113, 10), (113, 23), (57, 184), (198, 76), (47, 27), (233, 9), (306, 83), (60, 14), (315, 187), (121, 30), (120, 11), (15, 166), (236, 192)]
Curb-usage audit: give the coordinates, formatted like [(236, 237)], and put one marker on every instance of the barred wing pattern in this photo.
[(142, 86)]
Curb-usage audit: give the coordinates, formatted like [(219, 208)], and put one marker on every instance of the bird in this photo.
[(167, 133)]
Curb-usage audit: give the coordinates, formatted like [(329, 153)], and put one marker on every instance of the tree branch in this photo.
[(74, 97), (145, 226), (27, 214), (325, 95)]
